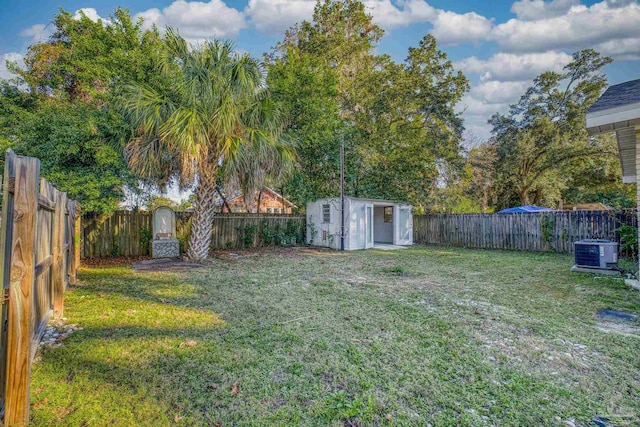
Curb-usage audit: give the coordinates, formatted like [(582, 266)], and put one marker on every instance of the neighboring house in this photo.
[(269, 200), (585, 207)]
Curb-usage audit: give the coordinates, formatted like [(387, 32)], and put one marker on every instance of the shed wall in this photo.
[(326, 234)]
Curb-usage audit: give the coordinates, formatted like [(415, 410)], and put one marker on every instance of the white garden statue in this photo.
[(164, 244)]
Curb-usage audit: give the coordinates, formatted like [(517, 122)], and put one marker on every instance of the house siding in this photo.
[(269, 203)]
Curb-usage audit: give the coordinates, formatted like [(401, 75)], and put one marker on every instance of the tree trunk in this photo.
[(259, 200), (203, 213), (224, 199)]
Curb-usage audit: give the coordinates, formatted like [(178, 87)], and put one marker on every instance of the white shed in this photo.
[(367, 222)]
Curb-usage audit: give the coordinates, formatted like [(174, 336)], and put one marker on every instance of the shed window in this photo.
[(388, 214), (326, 214)]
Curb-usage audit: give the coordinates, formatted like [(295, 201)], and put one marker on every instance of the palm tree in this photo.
[(216, 109)]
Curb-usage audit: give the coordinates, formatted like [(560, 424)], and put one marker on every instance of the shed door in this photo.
[(402, 225), (368, 224)]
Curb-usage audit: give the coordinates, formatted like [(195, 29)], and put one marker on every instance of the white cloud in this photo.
[(514, 67), (455, 28), (38, 33), (580, 27), (486, 99), (275, 16), (621, 49), (476, 113), (389, 16), (13, 57), (198, 20), (531, 10), (497, 92), (89, 12)]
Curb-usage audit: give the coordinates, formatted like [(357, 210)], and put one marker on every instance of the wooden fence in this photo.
[(39, 253), (549, 231), (128, 233)]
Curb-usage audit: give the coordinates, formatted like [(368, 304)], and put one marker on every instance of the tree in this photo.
[(397, 121), (544, 132), (59, 107), (482, 161), (218, 106), (307, 91)]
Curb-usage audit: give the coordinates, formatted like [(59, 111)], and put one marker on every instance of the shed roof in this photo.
[(377, 202), (618, 96)]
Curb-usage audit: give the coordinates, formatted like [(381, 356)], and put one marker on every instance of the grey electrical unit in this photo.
[(596, 255)]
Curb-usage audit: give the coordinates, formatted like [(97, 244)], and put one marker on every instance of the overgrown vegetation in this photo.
[(268, 234), (312, 337), (628, 241)]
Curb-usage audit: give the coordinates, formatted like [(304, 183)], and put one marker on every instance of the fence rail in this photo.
[(39, 257), (128, 233), (549, 231)]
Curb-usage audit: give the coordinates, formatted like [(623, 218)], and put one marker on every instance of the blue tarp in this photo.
[(524, 209)]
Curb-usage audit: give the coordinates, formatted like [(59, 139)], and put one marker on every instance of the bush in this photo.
[(628, 240)]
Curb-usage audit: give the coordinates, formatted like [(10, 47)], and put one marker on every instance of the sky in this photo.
[(500, 45)]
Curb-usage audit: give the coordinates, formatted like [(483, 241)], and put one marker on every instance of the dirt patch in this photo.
[(626, 329), (164, 264), (112, 261), (287, 252)]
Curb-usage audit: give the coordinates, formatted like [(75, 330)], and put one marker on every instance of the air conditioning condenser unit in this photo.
[(596, 254)]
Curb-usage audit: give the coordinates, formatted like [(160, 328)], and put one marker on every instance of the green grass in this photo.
[(421, 336)]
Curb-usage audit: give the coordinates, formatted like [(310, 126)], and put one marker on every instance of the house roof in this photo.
[(618, 96), (239, 194), (618, 110)]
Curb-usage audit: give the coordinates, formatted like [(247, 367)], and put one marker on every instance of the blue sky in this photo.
[(500, 45)]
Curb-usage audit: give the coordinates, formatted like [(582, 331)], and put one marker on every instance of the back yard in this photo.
[(421, 336)]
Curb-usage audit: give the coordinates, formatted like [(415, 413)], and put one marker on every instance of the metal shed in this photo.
[(367, 222)]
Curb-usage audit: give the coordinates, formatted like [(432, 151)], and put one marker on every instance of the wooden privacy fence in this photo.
[(38, 249), (549, 231), (128, 233)]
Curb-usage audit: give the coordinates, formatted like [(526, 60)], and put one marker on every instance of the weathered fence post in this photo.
[(58, 272), (75, 241), (21, 283)]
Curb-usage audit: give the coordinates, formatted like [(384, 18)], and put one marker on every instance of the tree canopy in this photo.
[(543, 150), (60, 105), (324, 84), (397, 120)]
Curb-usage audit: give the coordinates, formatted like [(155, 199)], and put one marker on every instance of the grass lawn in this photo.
[(423, 336)]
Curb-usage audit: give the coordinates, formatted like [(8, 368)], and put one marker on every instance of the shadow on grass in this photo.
[(133, 376)]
